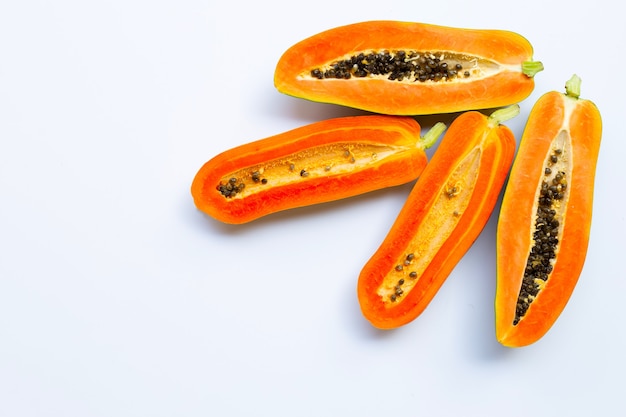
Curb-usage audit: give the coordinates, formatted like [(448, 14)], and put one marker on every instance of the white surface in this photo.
[(119, 298)]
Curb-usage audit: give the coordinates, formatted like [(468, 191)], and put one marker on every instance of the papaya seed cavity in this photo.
[(399, 65), (454, 196), (325, 160), (547, 226), (398, 289)]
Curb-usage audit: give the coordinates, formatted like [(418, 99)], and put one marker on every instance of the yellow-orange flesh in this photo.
[(545, 219), (316, 163), (437, 225), (443, 215), (409, 68)]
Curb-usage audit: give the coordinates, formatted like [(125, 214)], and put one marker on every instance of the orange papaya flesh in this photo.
[(316, 163), (442, 217), (405, 68), (545, 218)]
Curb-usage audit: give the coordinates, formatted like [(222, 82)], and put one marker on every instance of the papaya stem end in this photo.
[(502, 115), (531, 68), (572, 86), (430, 138)]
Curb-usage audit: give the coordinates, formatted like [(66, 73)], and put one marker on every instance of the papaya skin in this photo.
[(567, 122), (444, 214), (507, 79), (321, 162)]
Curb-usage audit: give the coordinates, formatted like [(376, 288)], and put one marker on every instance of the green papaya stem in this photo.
[(531, 68), (502, 115), (572, 86), (430, 138)]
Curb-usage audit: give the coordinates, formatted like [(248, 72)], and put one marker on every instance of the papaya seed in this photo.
[(230, 188), (396, 66), (543, 252), (454, 190)]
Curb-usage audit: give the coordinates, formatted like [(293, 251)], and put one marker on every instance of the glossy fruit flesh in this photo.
[(321, 162), (545, 219), (443, 215), (409, 68)]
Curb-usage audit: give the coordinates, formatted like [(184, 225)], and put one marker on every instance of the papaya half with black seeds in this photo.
[(444, 214), (545, 218), (405, 68), (316, 163)]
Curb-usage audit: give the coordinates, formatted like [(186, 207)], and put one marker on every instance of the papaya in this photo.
[(320, 162), (406, 68), (545, 218), (443, 215)]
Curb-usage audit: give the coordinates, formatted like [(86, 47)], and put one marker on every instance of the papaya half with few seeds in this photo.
[(316, 163), (444, 214), (545, 218), (404, 68)]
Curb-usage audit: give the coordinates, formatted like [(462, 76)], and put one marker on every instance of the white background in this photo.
[(119, 298)]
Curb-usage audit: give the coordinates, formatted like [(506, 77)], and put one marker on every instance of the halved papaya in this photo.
[(442, 217), (545, 218), (405, 68), (320, 162)]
